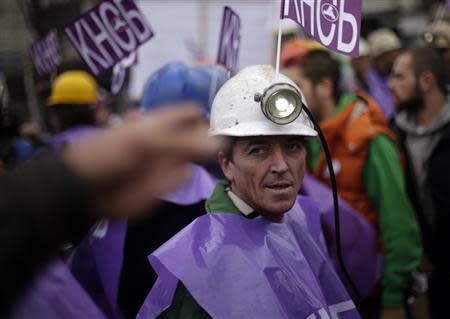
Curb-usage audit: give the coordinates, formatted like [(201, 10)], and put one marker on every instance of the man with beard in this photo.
[(368, 175), (422, 121)]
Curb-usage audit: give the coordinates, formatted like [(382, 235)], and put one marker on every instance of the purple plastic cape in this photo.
[(97, 260), (200, 186), (89, 289), (55, 293), (358, 238), (70, 136), (240, 268)]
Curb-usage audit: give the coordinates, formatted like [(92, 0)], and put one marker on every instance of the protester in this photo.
[(59, 197), (173, 83), (422, 122), (384, 47), (368, 172), (439, 38), (258, 252), (72, 103), (362, 66), (292, 54)]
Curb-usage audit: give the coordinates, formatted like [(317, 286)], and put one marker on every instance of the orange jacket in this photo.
[(348, 135)]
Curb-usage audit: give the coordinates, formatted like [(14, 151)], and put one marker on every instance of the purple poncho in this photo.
[(240, 268)]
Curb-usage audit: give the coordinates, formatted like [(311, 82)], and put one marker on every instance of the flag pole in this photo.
[(277, 70)]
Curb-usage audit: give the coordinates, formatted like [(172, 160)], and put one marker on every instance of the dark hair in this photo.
[(317, 65), (227, 150), (426, 58), (72, 115)]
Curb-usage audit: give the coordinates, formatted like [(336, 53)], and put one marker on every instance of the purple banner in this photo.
[(230, 38), (108, 33), (334, 23), (119, 72), (447, 4), (45, 54)]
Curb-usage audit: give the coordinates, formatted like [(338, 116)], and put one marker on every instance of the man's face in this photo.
[(266, 172), (311, 94), (404, 85)]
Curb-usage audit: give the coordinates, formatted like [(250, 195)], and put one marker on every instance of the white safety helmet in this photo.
[(255, 102)]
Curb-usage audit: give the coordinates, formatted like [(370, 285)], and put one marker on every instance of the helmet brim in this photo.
[(264, 129)]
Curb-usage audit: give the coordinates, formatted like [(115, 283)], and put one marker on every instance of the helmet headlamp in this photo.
[(281, 103)]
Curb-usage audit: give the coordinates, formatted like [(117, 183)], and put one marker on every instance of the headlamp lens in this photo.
[(282, 105)]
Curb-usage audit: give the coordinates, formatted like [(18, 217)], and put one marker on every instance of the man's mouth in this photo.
[(279, 186)]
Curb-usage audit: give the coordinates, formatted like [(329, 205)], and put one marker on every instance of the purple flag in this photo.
[(45, 54), (108, 33), (447, 4), (55, 293), (379, 90), (235, 267), (119, 72), (334, 23), (230, 38)]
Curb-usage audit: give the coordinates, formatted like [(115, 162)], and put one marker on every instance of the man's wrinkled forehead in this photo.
[(248, 141)]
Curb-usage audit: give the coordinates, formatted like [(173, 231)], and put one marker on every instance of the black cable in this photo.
[(337, 226)]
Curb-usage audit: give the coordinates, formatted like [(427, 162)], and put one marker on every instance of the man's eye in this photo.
[(256, 151), (294, 147)]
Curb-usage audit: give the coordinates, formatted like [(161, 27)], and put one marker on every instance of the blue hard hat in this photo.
[(176, 82)]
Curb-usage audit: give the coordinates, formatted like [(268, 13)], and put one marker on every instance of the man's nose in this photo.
[(278, 161)]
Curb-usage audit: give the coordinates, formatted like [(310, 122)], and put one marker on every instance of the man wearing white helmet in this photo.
[(259, 252)]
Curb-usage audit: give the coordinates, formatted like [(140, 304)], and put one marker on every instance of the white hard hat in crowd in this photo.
[(383, 40), (255, 102), (364, 49), (440, 35)]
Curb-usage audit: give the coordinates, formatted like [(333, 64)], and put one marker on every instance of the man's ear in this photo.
[(426, 81), (225, 163)]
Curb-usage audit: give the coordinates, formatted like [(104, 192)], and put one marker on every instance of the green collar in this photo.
[(220, 202), (344, 101)]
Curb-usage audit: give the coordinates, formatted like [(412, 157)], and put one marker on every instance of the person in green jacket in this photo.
[(369, 175)]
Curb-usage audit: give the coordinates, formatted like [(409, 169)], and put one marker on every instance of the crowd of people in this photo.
[(160, 214)]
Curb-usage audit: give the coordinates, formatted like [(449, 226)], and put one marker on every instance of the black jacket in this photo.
[(436, 241), (42, 205)]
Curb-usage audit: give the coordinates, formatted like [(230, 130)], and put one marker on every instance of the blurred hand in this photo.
[(31, 131), (392, 313), (127, 167)]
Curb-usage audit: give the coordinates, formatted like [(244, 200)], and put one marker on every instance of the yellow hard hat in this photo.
[(73, 87)]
